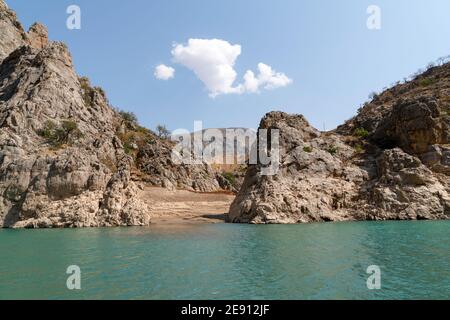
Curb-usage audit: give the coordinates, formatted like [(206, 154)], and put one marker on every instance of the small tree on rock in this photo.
[(163, 132)]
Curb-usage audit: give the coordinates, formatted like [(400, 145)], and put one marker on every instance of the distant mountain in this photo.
[(235, 147)]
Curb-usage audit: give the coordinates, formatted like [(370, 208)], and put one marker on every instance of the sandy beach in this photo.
[(183, 207)]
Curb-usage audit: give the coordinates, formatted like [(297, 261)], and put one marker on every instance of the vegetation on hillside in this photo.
[(60, 134), (308, 149), (162, 131), (361, 133), (421, 79), (89, 92)]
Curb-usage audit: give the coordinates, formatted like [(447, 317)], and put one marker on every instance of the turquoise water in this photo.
[(316, 261)]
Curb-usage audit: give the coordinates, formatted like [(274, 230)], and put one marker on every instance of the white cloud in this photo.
[(267, 78), (213, 60), (163, 72)]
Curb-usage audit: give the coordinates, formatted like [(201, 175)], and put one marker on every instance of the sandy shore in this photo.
[(180, 206)]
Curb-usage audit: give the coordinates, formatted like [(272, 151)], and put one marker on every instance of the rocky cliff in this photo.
[(61, 164), (12, 33), (67, 158), (391, 161), (153, 163)]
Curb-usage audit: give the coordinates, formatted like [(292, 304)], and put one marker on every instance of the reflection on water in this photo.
[(315, 261)]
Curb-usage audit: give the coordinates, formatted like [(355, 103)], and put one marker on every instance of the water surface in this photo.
[(315, 261)]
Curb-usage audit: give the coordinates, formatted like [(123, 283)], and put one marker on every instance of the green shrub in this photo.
[(68, 126), (162, 131), (333, 150), (88, 92), (129, 117), (307, 149), (62, 134), (359, 148), (127, 147), (229, 176), (361, 132), (143, 130), (373, 95), (48, 130), (101, 92), (426, 82)]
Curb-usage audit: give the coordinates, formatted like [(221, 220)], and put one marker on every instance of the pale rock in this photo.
[(38, 36)]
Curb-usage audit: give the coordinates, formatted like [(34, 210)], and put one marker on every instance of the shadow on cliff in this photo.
[(12, 216)]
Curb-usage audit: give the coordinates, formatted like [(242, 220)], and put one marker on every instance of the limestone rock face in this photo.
[(38, 36), (61, 163), (314, 183), (155, 161), (389, 162), (12, 33), (67, 159), (407, 189), (414, 125)]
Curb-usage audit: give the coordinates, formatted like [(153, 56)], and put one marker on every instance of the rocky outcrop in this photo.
[(38, 36), (11, 31), (154, 160), (61, 162), (67, 158), (155, 163), (313, 184), (389, 162)]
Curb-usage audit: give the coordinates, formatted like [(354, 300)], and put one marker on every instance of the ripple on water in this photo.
[(316, 261)]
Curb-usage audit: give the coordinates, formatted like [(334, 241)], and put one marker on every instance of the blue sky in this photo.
[(325, 47)]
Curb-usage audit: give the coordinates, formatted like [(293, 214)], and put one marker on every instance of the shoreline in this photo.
[(186, 207)]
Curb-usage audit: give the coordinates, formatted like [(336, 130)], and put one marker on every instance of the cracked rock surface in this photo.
[(390, 162)]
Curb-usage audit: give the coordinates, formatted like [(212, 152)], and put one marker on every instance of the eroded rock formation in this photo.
[(392, 161), (12, 33), (67, 158), (84, 182), (61, 163)]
